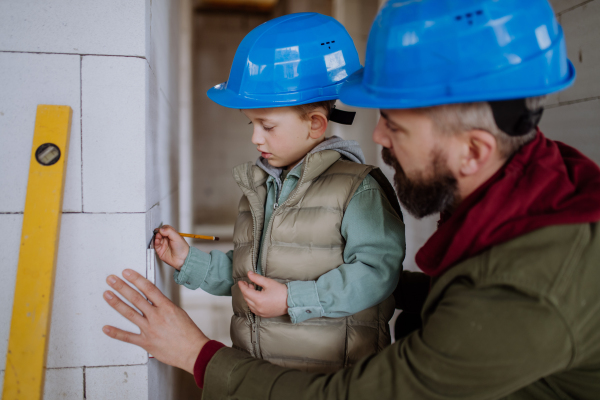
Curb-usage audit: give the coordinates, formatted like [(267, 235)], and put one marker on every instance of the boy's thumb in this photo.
[(258, 279), (168, 231)]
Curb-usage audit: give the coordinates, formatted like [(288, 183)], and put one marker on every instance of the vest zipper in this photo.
[(278, 206), (251, 316)]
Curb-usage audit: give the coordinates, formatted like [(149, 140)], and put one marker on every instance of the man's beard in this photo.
[(424, 196)]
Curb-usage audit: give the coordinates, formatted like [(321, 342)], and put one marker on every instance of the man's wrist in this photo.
[(192, 356), (204, 356)]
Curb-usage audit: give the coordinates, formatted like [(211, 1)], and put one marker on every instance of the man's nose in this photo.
[(380, 135)]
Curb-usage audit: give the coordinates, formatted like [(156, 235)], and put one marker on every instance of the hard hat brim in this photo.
[(354, 93), (229, 99)]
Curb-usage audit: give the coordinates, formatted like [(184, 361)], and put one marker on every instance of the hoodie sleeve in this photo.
[(373, 255), (209, 272)]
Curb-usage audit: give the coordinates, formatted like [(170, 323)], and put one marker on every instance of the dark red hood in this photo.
[(545, 183)]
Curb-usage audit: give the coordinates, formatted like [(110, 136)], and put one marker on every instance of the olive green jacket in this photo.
[(519, 321)]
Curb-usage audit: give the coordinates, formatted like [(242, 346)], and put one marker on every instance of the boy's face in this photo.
[(280, 135)]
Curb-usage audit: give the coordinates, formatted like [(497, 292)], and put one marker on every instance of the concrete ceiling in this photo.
[(236, 5)]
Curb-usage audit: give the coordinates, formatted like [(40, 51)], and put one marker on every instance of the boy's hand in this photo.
[(268, 303), (170, 247)]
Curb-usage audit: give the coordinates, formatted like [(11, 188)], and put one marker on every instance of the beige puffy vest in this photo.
[(303, 241)]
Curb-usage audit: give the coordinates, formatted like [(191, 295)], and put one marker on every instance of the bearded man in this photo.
[(510, 301)]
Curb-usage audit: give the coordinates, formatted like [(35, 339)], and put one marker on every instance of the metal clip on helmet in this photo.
[(291, 60), (432, 52)]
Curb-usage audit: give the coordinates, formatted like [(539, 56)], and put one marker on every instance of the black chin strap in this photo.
[(341, 116), (514, 118)]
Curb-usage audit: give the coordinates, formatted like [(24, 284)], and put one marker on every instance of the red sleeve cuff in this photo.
[(206, 354)]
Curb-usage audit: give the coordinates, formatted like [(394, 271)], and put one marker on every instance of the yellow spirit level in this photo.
[(32, 306)]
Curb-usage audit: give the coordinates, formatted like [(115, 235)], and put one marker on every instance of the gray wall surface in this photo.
[(573, 116)]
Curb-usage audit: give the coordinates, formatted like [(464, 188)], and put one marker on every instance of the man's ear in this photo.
[(318, 124), (480, 147)]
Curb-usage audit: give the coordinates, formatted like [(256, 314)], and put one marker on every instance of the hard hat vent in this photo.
[(468, 17), (327, 43)]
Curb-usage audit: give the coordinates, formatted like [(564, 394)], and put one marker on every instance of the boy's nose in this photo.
[(257, 138)]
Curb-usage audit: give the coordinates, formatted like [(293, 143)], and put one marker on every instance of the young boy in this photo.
[(316, 253)]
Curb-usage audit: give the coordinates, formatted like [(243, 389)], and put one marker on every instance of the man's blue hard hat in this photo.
[(291, 60), (424, 53)]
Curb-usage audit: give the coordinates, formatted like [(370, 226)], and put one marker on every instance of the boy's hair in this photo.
[(305, 109), (455, 118)]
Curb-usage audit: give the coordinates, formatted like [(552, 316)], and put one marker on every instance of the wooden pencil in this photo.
[(198, 236)]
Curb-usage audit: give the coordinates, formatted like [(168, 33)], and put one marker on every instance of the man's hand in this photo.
[(268, 303), (167, 332), (170, 247)]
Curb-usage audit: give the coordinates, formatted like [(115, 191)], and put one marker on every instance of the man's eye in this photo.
[(267, 128), (390, 128)]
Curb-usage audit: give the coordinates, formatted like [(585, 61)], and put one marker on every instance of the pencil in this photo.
[(198, 236)]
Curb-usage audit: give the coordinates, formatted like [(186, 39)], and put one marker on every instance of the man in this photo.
[(512, 309)]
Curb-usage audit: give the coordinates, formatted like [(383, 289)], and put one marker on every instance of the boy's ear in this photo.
[(318, 124)]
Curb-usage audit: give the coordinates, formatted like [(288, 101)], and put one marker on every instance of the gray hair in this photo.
[(456, 118)]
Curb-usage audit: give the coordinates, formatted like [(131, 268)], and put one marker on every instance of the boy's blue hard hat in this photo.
[(424, 53), (291, 60)]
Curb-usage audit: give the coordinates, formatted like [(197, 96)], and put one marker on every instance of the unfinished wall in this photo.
[(573, 116), (115, 63)]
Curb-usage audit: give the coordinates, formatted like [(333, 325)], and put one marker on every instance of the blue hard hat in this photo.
[(424, 53), (291, 60)]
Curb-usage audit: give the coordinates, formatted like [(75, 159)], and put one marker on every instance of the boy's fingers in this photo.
[(259, 279), (146, 287), (124, 309), (122, 335), (248, 291), (127, 291), (169, 232)]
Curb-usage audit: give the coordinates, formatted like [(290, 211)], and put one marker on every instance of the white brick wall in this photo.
[(64, 384), (115, 62), (9, 248), (26, 81), (114, 97), (114, 27), (126, 382)]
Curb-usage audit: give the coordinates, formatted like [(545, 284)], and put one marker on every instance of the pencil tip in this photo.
[(216, 238)]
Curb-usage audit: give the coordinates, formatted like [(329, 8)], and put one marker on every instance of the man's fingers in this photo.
[(259, 279), (146, 287), (123, 309), (122, 335), (127, 291)]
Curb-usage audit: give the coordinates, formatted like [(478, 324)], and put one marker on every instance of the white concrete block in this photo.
[(164, 381), (26, 81), (560, 6), (577, 124), (582, 33), (93, 246), (9, 249), (164, 212), (162, 140), (64, 383), (114, 100), (128, 382), (114, 27), (163, 46)]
